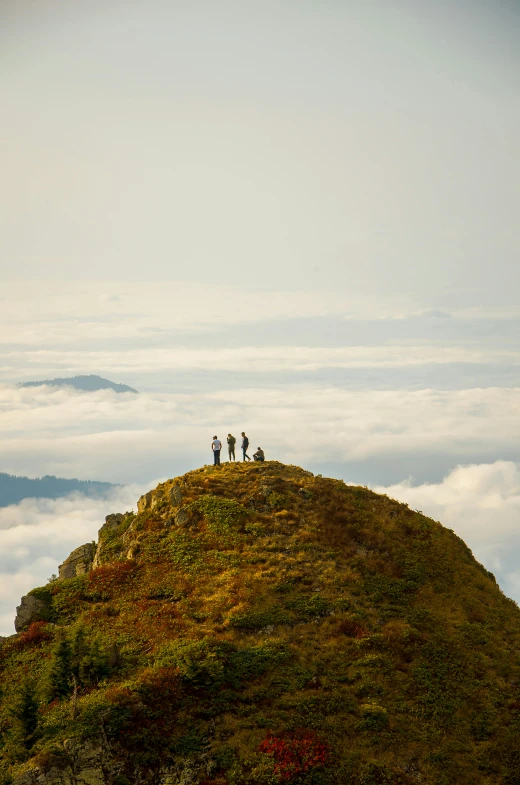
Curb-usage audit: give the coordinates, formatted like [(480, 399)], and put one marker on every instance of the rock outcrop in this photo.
[(79, 562), (31, 609), (88, 763), (144, 502), (175, 495), (109, 545), (94, 762)]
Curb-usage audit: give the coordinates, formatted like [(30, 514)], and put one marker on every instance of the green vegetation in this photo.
[(273, 627)]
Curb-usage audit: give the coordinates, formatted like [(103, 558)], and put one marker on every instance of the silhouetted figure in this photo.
[(259, 454), (231, 441), (245, 445), (216, 446)]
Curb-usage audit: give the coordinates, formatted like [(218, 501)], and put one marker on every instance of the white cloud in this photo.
[(121, 438), (481, 503), (266, 359)]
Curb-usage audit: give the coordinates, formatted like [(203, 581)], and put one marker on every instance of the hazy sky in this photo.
[(298, 219), (277, 145)]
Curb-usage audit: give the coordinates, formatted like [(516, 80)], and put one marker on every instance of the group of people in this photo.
[(216, 446)]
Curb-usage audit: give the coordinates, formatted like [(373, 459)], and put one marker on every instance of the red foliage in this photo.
[(119, 695), (351, 628), (109, 577), (295, 756), (36, 634)]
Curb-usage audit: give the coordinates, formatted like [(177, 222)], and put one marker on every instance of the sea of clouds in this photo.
[(412, 399), (136, 439)]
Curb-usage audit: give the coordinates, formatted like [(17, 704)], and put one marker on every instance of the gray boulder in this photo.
[(112, 521), (84, 763), (78, 563), (31, 609), (144, 502), (175, 495), (182, 517)]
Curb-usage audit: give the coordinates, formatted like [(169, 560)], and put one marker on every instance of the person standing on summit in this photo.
[(231, 446), (216, 446), (245, 445)]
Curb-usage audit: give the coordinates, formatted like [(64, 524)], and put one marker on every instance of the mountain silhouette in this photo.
[(13, 489), (85, 383)]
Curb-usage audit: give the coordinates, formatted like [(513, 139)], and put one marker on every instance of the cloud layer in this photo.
[(123, 437)]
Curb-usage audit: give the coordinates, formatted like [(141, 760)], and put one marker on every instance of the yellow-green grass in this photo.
[(278, 604)]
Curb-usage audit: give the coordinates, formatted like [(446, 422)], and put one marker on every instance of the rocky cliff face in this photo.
[(256, 624)]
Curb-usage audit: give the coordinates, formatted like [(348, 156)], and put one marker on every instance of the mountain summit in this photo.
[(252, 623)]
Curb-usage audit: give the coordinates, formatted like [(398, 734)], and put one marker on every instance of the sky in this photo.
[(292, 218)]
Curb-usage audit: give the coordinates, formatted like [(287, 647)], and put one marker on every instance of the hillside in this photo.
[(255, 624), (13, 489), (84, 383)]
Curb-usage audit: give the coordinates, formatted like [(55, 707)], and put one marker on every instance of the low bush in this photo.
[(295, 756)]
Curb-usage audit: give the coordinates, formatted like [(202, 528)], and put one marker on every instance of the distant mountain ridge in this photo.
[(89, 383), (14, 489)]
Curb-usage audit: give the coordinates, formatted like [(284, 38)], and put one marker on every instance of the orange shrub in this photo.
[(107, 579), (36, 634)]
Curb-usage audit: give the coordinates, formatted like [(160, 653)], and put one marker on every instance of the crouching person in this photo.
[(259, 455)]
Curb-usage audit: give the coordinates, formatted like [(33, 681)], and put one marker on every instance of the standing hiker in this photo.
[(245, 445), (216, 446), (231, 446)]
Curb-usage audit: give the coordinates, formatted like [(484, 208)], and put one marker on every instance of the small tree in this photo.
[(96, 666), (59, 679), (79, 651), (24, 721)]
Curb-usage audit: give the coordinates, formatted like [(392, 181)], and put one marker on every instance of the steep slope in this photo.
[(89, 383), (255, 624)]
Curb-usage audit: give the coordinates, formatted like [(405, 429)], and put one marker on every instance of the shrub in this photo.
[(76, 661), (187, 552), (374, 773), (197, 662), (295, 756), (37, 633), (259, 619), (108, 579), (145, 716), (311, 607), (352, 628), (373, 717), (225, 518), (67, 596)]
